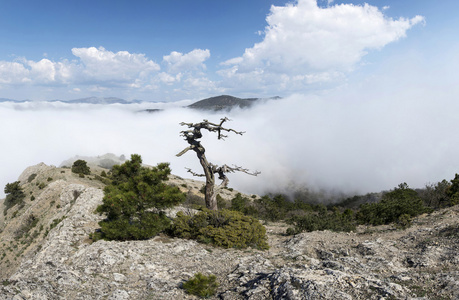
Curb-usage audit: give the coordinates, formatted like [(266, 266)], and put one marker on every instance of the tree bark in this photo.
[(210, 195)]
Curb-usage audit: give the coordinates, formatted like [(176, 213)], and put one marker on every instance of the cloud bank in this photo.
[(371, 135)]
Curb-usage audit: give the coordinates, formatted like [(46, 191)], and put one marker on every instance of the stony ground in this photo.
[(56, 260)]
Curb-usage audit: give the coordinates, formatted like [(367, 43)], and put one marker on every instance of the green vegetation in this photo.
[(396, 206), (80, 167), (222, 228), (201, 285), (134, 200), (453, 191), (31, 178), (135, 197), (323, 220), (14, 195), (29, 223), (56, 222)]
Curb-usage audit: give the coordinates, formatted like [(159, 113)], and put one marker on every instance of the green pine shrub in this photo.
[(14, 195), (80, 167), (222, 228), (134, 200), (31, 177), (453, 191), (394, 204), (29, 223), (403, 221), (201, 285), (323, 220)]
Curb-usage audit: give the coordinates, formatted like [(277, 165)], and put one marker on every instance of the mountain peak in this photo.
[(225, 102)]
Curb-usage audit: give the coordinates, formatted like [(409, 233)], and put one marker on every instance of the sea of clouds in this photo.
[(366, 137)]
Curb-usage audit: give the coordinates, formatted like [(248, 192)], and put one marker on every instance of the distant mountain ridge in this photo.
[(217, 103), (87, 100), (99, 100), (227, 102)]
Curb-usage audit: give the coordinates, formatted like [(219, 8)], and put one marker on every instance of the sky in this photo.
[(370, 93), (174, 50)]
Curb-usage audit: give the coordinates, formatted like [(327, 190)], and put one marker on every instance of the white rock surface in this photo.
[(372, 263)]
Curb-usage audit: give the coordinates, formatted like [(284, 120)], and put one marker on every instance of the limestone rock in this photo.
[(57, 260)]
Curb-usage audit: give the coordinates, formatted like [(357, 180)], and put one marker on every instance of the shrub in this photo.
[(453, 191), (80, 167), (31, 177), (394, 204), (14, 195), (221, 203), (194, 201), (134, 200), (323, 220), (437, 195), (29, 223), (239, 203), (222, 228), (201, 285), (403, 221)]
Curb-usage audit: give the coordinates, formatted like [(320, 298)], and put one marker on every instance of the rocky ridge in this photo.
[(55, 259)]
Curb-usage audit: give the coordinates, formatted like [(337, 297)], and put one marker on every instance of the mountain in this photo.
[(88, 100), (226, 102), (45, 253), (11, 100)]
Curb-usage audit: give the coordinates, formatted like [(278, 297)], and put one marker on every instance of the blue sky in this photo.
[(173, 50)]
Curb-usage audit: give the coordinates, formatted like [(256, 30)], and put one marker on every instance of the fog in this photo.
[(366, 136)]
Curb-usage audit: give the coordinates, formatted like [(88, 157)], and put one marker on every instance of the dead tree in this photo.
[(192, 136)]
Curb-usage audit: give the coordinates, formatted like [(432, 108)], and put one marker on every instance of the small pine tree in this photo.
[(453, 190), (134, 201), (402, 200), (201, 285), (14, 195), (80, 167)]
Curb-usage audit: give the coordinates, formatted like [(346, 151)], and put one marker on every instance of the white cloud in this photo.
[(303, 39), (179, 62), (42, 71), (97, 70), (101, 65), (13, 72), (94, 66)]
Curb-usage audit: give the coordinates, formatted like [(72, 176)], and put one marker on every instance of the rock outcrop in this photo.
[(55, 259)]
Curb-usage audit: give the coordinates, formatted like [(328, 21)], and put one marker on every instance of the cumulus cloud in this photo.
[(13, 72), (178, 62), (98, 69), (93, 66), (305, 43), (101, 65)]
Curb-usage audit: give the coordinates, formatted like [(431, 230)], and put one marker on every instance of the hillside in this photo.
[(225, 102), (46, 254)]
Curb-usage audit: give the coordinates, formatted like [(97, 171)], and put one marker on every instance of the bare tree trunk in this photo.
[(211, 197), (192, 137)]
